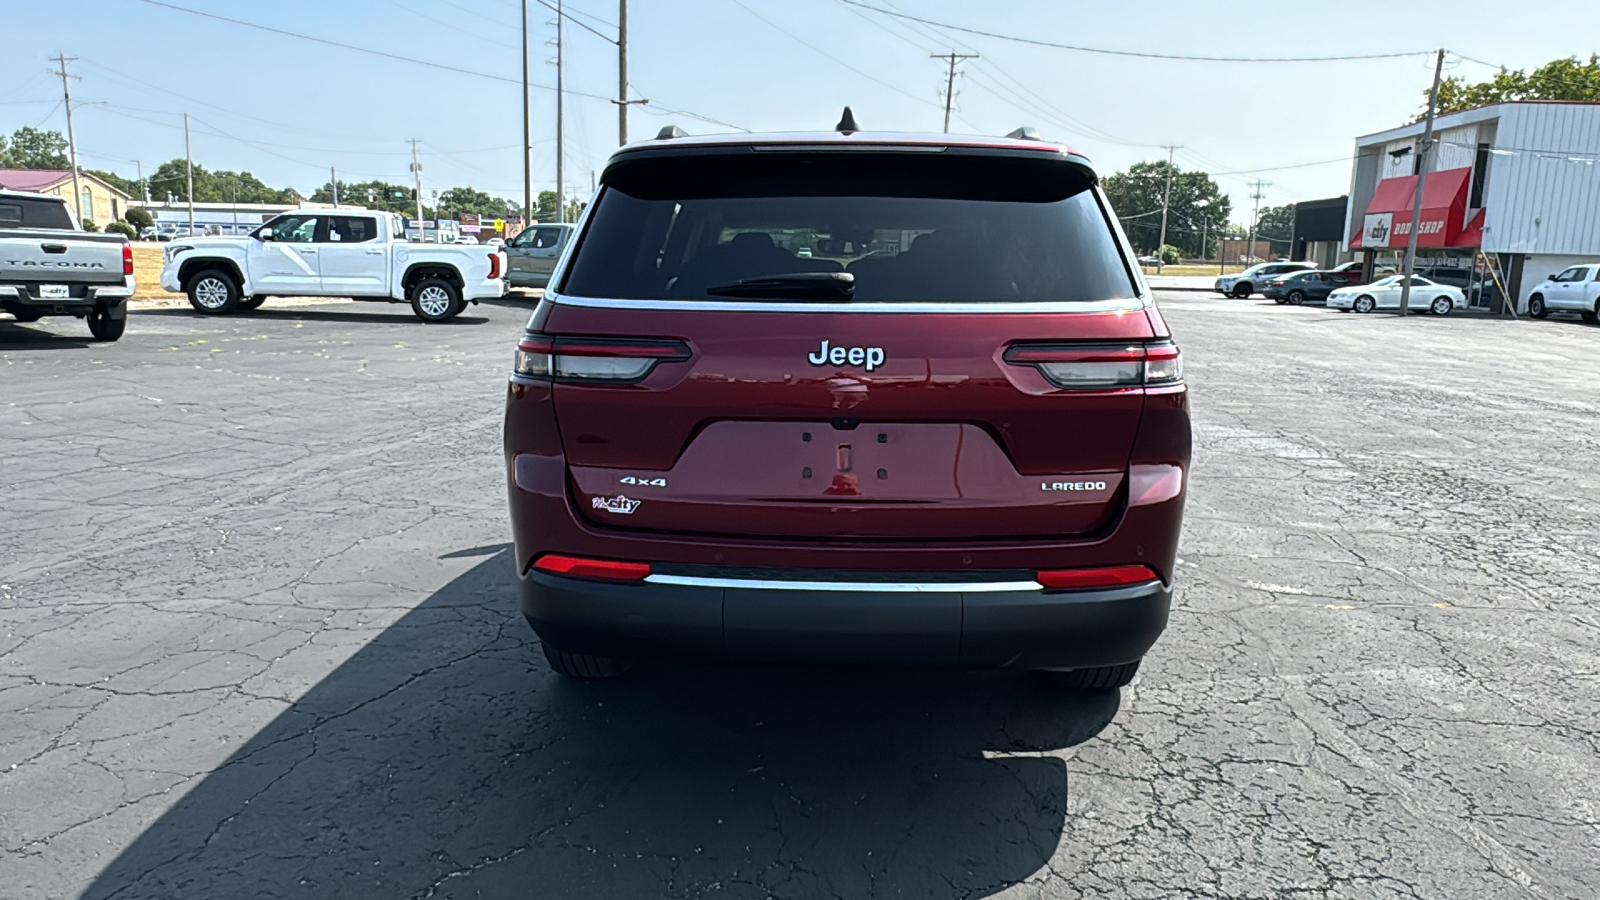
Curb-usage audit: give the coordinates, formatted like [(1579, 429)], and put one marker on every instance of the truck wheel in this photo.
[(252, 302), (28, 316), (435, 300), (1536, 307), (105, 328), (582, 665), (1097, 679), (213, 292)]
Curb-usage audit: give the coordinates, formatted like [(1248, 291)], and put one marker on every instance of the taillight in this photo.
[(1101, 366), (494, 266), (592, 568), (599, 360), (1103, 577), (127, 259)]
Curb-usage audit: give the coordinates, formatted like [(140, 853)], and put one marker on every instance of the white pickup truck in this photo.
[(339, 252)]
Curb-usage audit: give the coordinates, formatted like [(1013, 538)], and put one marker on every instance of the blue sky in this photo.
[(287, 109)]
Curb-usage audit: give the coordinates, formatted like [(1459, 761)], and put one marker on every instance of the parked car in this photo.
[(1351, 272), (1575, 289), (1384, 293), (466, 239), (1255, 278), (1149, 261), (1296, 288), (534, 251), (348, 252), (50, 266), (717, 449)]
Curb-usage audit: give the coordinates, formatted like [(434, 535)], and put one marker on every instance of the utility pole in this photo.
[(561, 147), (527, 145), (1166, 198), (622, 72), (333, 179), (144, 189), (416, 176), (72, 143), (950, 80), (1416, 200), (1205, 222), (188, 162), (1255, 216)]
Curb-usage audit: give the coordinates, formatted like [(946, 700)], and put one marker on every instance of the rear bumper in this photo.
[(485, 289), (112, 296), (1030, 629)]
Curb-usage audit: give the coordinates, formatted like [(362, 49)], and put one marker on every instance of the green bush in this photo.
[(89, 225), (1169, 255), (139, 217), (124, 229)]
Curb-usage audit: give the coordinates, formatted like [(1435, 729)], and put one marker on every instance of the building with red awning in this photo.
[(1511, 193)]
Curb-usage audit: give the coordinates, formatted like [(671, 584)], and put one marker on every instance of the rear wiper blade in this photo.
[(792, 286)]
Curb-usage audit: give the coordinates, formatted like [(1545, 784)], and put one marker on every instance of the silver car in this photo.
[(532, 254)]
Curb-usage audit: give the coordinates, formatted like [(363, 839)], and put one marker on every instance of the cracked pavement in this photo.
[(259, 638)]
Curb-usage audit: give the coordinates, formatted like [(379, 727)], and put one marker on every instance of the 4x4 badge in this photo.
[(642, 482), (619, 504), (871, 357)]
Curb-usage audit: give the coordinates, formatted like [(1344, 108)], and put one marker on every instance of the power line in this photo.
[(1133, 53), (792, 36)]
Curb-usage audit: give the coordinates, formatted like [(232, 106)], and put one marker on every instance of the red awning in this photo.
[(1444, 210)]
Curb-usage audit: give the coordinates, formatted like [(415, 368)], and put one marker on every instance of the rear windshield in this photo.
[(909, 226), (26, 212)]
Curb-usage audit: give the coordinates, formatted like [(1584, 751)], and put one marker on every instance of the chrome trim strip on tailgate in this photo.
[(920, 587), (1127, 304)]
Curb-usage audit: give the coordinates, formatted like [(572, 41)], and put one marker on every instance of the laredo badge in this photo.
[(619, 505)]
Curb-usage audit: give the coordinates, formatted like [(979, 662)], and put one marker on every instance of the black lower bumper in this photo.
[(1031, 629)]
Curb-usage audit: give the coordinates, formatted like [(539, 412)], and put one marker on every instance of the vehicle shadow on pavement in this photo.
[(312, 314), (18, 336), (444, 759)]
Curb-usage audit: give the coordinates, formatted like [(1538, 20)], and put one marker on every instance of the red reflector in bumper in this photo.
[(592, 568), (1109, 576)]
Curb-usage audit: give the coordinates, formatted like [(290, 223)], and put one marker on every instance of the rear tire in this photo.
[(582, 665), (1536, 307), (1592, 315), (1365, 304), (252, 302), (435, 300), (28, 316), (1101, 678), (1441, 306), (103, 327), (212, 292), (1296, 298)]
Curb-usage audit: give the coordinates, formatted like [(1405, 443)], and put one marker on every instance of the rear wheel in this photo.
[(213, 292), (435, 300), (28, 316), (1365, 304), (105, 328), (583, 665), (1441, 306), (1592, 315), (1100, 678), (1296, 298), (1536, 307), (252, 302)]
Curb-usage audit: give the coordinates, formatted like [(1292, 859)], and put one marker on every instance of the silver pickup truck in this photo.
[(49, 266)]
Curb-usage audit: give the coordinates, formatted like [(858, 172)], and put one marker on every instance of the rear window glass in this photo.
[(908, 226), (21, 212)]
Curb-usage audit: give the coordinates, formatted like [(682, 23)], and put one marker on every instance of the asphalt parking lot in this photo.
[(258, 638)]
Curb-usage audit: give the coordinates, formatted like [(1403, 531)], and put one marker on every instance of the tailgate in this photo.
[(45, 256)]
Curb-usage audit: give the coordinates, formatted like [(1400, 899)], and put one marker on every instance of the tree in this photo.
[(459, 200), (371, 194), (35, 149), (1170, 255), (1276, 223), (1561, 79), (139, 217), (124, 229), (1197, 208), (131, 188)]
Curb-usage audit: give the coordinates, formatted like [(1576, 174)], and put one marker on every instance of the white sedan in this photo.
[(1431, 296)]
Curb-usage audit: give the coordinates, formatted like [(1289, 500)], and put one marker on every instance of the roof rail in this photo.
[(669, 132), (847, 123), (1025, 133)]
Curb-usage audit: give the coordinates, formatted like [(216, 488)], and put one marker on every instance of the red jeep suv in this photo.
[(848, 398)]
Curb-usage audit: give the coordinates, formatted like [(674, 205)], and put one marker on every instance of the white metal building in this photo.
[(1519, 182)]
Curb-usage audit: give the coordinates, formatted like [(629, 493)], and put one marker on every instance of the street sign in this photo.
[(469, 219), (500, 224)]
